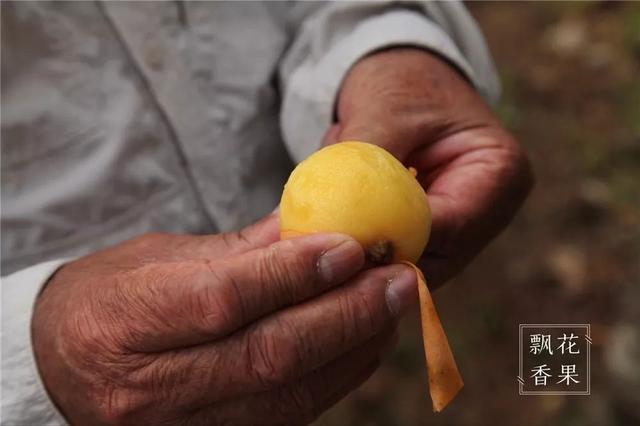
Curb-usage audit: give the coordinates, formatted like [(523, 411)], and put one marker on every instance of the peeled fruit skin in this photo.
[(361, 190)]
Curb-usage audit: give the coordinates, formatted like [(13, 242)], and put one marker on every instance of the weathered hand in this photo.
[(228, 329), (419, 108)]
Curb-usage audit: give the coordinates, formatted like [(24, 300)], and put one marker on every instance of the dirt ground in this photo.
[(571, 94)]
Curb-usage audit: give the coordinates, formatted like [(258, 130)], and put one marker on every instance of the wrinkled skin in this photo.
[(420, 109), (170, 329), (242, 329)]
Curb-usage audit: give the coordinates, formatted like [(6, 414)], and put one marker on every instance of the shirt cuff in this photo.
[(313, 87), (24, 398)]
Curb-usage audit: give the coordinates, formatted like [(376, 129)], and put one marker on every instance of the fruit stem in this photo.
[(380, 252)]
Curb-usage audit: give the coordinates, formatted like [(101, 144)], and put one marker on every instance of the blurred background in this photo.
[(571, 94)]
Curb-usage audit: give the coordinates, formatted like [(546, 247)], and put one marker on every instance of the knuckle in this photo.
[(168, 380), (359, 317), (118, 407), (236, 239), (346, 312), (286, 268), (218, 303), (133, 385), (264, 360), (162, 378), (271, 360)]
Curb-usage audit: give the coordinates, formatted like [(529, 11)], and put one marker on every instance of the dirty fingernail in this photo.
[(402, 292), (339, 262)]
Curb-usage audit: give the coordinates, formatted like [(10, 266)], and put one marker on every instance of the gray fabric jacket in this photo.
[(120, 118)]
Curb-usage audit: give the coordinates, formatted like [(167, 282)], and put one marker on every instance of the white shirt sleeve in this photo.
[(334, 38), (24, 398)]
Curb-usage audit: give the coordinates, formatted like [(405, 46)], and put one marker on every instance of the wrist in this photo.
[(44, 333), (28, 396), (385, 74)]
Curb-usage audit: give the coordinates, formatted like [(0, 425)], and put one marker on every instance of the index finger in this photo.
[(478, 180), (186, 303)]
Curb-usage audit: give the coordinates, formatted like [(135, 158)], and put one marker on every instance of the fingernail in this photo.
[(339, 262), (402, 292)]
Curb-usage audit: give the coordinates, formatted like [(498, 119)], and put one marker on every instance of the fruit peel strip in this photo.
[(444, 378)]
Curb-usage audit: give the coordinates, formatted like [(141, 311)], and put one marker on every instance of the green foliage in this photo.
[(507, 109), (631, 24)]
